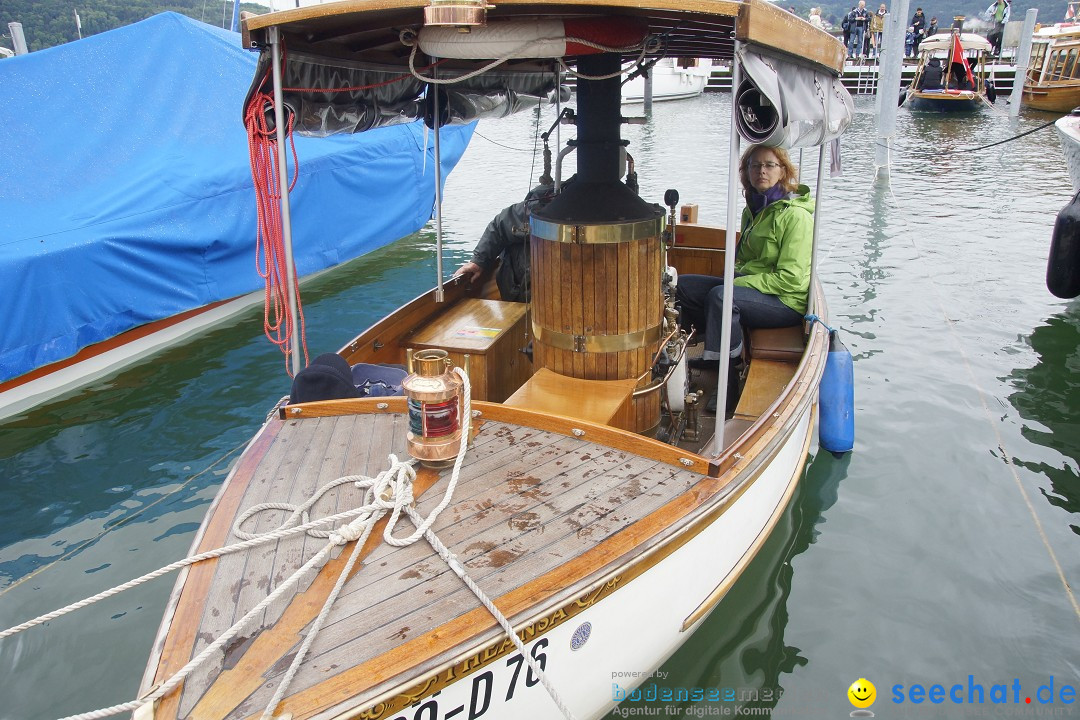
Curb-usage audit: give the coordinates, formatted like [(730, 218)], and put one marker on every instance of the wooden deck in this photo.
[(528, 503)]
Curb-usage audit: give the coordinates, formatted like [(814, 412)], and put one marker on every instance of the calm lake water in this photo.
[(943, 547)]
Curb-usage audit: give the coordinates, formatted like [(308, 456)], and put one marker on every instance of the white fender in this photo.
[(530, 38)]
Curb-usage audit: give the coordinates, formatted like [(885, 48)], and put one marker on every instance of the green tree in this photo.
[(47, 23)]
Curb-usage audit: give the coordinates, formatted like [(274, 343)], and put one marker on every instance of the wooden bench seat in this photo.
[(608, 402), (786, 344)]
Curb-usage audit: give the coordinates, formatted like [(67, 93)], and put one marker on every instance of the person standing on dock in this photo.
[(858, 21), (877, 28), (815, 18), (918, 26), (998, 13)]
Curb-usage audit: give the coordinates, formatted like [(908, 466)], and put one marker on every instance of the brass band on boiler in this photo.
[(597, 343)]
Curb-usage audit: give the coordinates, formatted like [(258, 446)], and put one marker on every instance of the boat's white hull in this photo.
[(1068, 129), (19, 395), (632, 627), (669, 83)]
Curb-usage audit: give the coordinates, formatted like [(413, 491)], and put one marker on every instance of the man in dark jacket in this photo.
[(506, 238), (931, 75), (858, 21), (918, 22)]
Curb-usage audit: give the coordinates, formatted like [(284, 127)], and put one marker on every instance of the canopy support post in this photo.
[(716, 445), (440, 296), (283, 183), (811, 305)]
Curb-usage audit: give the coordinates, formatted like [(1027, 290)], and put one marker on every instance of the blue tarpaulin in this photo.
[(126, 192)]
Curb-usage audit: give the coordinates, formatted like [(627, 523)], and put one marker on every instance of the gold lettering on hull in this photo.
[(489, 654)]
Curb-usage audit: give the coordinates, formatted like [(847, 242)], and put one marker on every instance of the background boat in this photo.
[(953, 95), (672, 79), (126, 193), (1053, 77)]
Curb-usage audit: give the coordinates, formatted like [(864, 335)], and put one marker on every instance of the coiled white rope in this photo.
[(388, 492)]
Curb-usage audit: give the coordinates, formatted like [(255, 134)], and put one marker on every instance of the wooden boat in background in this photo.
[(1052, 82), (952, 95), (600, 511)]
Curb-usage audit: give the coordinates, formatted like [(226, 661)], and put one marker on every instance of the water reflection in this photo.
[(1045, 397), (740, 647)]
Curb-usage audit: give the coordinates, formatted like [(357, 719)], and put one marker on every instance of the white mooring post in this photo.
[(18, 40), (1023, 57), (888, 90)]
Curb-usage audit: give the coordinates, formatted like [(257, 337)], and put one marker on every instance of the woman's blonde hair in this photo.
[(789, 182)]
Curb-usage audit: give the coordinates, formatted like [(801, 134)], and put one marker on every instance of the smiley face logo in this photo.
[(862, 693)]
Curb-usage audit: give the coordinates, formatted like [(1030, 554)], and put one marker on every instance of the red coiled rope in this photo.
[(270, 241)]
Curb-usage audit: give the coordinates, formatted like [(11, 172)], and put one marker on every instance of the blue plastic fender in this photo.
[(836, 399)]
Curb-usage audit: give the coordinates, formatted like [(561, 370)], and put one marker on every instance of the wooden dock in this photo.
[(861, 79)]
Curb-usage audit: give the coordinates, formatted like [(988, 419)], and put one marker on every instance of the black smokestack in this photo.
[(597, 195)]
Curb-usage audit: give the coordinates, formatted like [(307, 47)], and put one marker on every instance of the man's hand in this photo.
[(471, 271)]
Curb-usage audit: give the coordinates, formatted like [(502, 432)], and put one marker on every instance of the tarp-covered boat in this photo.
[(126, 198)]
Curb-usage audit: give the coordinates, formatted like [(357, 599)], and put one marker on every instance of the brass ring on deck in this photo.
[(597, 343), (596, 234)]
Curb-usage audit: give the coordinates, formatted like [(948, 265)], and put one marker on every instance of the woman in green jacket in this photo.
[(772, 262)]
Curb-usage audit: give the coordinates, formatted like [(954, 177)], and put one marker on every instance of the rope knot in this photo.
[(347, 533)]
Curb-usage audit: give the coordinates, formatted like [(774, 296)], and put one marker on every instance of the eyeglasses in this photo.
[(770, 165)]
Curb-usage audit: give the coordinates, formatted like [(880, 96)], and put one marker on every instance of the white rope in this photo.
[(402, 496), (459, 570), (179, 564), (389, 491)]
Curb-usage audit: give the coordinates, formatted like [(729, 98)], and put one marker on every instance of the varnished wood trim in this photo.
[(766, 24), (392, 703), (588, 431), (721, 8)]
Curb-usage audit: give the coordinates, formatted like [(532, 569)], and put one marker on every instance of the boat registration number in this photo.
[(487, 690)]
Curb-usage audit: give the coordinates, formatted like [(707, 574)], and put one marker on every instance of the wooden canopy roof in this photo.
[(368, 30)]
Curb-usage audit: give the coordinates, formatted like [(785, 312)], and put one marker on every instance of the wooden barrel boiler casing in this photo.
[(597, 303)]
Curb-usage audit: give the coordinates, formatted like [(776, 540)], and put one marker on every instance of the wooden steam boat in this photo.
[(962, 84), (584, 505)]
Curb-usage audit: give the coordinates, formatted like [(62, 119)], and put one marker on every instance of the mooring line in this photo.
[(1001, 446)]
